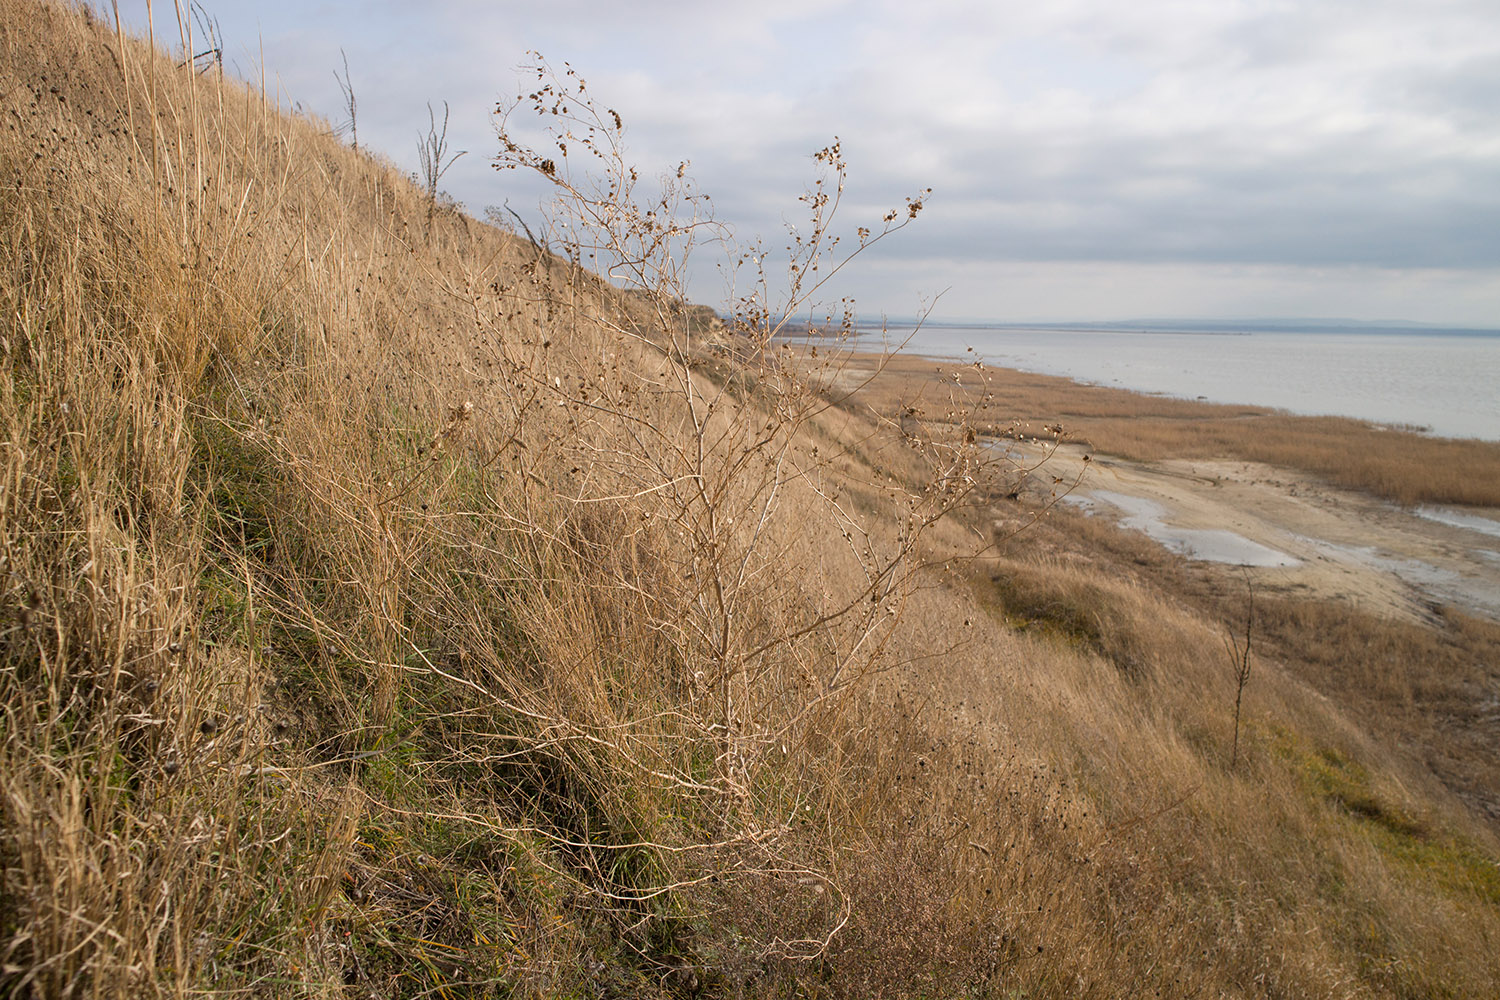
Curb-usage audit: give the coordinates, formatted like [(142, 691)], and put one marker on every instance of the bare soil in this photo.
[(1346, 544)]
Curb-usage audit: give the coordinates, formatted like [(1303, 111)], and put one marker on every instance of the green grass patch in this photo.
[(239, 486), (1448, 860)]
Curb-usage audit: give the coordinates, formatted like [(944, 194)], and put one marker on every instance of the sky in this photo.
[(1088, 159)]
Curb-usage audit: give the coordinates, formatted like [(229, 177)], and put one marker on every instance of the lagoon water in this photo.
[(1446, 382)]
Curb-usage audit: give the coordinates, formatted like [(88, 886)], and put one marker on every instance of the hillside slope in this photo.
[(392, 608)]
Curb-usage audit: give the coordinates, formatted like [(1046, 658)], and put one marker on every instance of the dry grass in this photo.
[(391, 609), (1407, 796), (1429, 687)]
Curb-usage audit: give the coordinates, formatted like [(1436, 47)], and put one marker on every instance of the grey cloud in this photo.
[(1117, 204), (1321, 135), (1467, 93)]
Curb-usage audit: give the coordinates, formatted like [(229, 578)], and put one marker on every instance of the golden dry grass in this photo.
[(1429, 687), (391, 610)]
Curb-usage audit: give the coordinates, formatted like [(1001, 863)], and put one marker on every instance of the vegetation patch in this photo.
[(1058, 602), (1427, 851)]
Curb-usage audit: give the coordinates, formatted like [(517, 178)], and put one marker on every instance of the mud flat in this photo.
[(1294, 533)]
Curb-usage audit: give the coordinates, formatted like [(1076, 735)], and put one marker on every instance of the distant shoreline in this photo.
[(1398, 463), (1436, 381), (1186, 326)]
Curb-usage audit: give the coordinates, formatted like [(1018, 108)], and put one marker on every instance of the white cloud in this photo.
[(1244, 146)]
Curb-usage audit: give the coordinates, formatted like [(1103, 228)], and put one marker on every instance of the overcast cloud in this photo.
[(1088, 159)]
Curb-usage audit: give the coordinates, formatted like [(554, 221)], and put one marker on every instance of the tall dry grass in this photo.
[(394, 608), (400, 544)]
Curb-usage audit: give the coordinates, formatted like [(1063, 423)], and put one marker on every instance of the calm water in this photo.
[(1448, 383)]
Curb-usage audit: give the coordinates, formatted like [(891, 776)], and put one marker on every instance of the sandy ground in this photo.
[(1297, 535)]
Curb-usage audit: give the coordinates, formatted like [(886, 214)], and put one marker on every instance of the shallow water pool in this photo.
[(1206, 544)]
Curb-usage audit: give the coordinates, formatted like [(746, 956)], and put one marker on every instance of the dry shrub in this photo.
[(432, 566)]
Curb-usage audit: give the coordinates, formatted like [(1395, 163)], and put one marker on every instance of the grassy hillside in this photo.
[(391, 608)]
